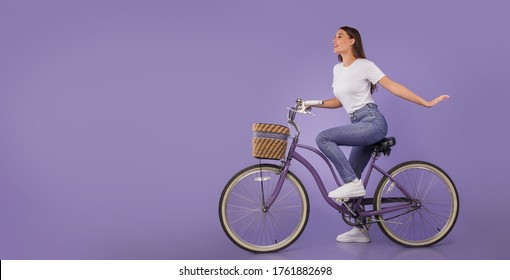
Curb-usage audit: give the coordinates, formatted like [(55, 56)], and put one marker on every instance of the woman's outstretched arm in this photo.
[(403, 92)]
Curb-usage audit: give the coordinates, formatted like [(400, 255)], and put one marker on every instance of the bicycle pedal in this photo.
[(343, 200)]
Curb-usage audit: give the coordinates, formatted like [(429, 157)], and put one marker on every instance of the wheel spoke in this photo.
[(245, 198)]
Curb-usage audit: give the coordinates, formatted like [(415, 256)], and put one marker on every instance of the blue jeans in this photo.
[(367, 127)]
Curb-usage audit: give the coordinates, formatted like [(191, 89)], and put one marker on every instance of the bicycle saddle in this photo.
[(384, 146)]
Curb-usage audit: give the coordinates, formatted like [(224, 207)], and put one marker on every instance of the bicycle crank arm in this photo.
[(354, 215)]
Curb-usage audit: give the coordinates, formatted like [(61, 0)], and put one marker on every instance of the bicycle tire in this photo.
[(438, 207), (243, 219)]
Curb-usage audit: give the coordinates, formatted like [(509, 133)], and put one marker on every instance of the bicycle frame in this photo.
[(265, 208), (408, 200)]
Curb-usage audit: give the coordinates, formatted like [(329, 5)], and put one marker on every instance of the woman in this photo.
[(355, 79)]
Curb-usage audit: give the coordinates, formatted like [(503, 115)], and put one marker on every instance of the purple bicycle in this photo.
[(265, 208)]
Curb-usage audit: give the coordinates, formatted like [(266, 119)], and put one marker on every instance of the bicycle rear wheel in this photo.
[(436, 204), (248, 224)]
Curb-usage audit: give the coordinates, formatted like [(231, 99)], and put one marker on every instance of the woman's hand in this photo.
[(434, 102)]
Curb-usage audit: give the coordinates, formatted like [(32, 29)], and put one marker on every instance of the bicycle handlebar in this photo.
[(301, 108)]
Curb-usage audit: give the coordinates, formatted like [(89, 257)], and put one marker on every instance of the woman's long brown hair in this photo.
[(357, 48)]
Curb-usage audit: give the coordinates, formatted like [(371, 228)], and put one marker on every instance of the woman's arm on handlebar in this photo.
[(332, 103)]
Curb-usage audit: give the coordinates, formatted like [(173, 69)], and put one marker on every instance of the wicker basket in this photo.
[(269, 140)]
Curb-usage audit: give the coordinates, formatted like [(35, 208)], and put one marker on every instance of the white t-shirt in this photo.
[(351, 85)]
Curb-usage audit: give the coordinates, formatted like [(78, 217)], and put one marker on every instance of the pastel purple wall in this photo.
[(121, 121)]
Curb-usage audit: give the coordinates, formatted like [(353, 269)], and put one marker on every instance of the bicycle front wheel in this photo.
[(246, 221), (433, 213)]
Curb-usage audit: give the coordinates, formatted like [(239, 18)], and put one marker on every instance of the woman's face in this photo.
[(342, 43)]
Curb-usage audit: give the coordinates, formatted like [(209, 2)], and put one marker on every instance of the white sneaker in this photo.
[(349, 190), (355, 235)]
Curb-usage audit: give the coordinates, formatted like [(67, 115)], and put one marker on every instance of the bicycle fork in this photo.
[(274, 194), (262, 179)]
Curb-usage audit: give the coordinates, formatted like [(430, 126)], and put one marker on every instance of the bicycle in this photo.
[(264, 207)]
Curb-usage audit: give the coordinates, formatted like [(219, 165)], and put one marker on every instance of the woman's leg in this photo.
[(359, 158), (356, 134), (368, 127)]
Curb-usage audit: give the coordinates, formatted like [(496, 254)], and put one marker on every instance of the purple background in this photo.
[(121, 121)]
